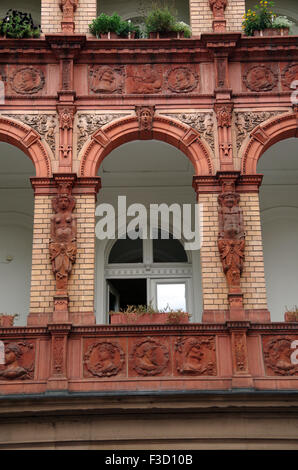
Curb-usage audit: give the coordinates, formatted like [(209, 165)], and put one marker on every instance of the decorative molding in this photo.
[(87, 124), (201, 122)]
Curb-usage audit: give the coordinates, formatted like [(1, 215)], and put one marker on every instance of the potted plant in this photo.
[(161, 23), (291, 314), (18, 25), (146, 315), (7, 320), (262, 21), (113, 27)]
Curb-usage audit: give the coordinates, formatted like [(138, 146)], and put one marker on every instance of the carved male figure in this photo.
[(231, 237), (63, 246)]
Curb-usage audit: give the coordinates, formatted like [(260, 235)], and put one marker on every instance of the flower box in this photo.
[(166, 35), (291, 316), (119, 318), (272, 32)]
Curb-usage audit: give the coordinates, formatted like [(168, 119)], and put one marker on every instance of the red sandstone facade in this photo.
[(228, 76)]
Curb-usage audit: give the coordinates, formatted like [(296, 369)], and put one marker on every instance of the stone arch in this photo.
[(29, 141), (166, 129), (264, 136)]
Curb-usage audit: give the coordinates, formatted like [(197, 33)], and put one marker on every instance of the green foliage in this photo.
[(160, 20), (114, 24), (263, 17), (18, 25), (181, 27)]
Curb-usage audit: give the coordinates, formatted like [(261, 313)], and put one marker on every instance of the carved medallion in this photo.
[(149, 357), (289, 74), (19, 361), (27, 80), (280, 354), (196, 355), (104, 359), (260, 78), (105, 79), (144, 79), (182, 80)]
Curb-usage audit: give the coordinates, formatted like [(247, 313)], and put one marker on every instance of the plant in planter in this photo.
[(183, 29), (291, 314), (262, 21), (18, 25), (7, 320), (161, 23), (111, 27), (146, 314)]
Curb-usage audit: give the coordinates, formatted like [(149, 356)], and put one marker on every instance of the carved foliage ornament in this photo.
[(149, 357), (260, 78), (201, 122), (280, 357), (27, 80), (231, 236), (196, 355), (224, 114), (247, 121), (19, 361), (63, 246), (145, 115), (104, 359), (58, 354), (240, 353)]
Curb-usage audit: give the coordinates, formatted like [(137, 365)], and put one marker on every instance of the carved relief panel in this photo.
[(260, 77), (289, 73), (195, 355), (104, 79), (281, 355), (19, 361), (26, 80), (149, 357), (104, 358)]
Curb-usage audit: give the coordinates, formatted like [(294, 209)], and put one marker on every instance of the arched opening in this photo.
[(279, 219), (16, 227), (160, 265)]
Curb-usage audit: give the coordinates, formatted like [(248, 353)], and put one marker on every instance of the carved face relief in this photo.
[(19, 361), (104, 359), (289, 74), (280, 354), (182, 80), (27, 80), (149, 357), (260, 78), (105, 79), (145, 116), (196, 356), (144, 79)]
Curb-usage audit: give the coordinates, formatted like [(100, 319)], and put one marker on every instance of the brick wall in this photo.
[(201, 15), (214, 285), (51, 16)]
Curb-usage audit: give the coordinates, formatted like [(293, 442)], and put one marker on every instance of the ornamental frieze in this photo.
[(87, 124), (44, 124), (103, 359), (245, 122), (196, 355), (260, 78), (144, 79), (149, 357), (201, 122), (281, 355), (19, 361), (26, 80), (289, 74), (104, 79)]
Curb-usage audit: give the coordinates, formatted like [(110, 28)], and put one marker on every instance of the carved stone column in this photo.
[(58, 372), (66, 118), (241, 374), (63, 242), (218, 9), (68, 8), (224, 124)]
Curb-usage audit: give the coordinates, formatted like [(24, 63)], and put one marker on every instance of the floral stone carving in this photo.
[(19, 361), (149, 357), (196, 355), (201, 122), (280, 356), (27, 80), (63, 246), (247, 121), (231, 236), (104, 359)]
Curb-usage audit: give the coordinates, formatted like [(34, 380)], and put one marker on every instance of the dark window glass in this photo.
[(127, 251), (168, 250)]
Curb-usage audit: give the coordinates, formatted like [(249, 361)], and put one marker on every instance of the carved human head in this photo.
[(12, 352), (229, 199)]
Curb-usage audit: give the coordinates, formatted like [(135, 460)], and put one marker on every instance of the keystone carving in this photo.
[(196, 356), (27, 80), (201, 122), (145, 115), (231, 236), (260, 78), (150, 357), (280, 357), (104, 359), (19, 361), (63, 245)]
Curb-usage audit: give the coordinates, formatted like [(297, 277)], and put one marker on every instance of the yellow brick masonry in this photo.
[(51, 16), (81, 283), (214, 284), (201, 16)]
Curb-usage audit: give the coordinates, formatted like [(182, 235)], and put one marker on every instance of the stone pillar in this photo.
[(201, 16)]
